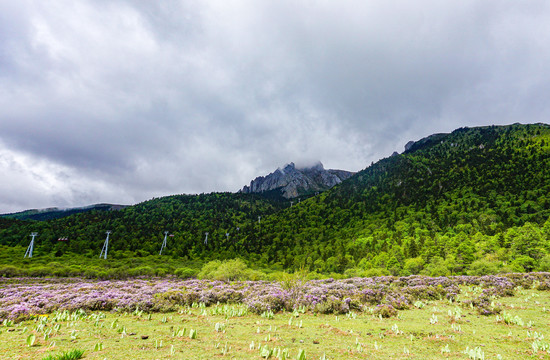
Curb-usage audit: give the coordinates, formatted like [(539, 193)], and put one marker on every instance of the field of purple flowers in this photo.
[(21, 298)]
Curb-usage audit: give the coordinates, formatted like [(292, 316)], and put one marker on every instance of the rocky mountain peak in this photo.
[(292, 181)]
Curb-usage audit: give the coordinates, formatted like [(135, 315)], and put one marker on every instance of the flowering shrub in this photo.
[(385, 310), (482, 304), (23, 297), (543, 286), (372, 296), (332, 306), (398, 302), (424, 292)]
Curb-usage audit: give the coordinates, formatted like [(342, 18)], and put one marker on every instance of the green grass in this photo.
[(226, 331), (67, 355)]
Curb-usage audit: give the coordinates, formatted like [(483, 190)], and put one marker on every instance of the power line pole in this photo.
[(31, 246), (105, 246)]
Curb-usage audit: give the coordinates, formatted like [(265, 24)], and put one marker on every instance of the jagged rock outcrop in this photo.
[(409, 145), (293, 182)]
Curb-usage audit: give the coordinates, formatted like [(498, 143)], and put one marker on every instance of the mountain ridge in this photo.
[(56, 213)]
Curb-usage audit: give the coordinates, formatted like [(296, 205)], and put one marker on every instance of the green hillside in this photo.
[(473, 201), (140, 228), (474, 197)]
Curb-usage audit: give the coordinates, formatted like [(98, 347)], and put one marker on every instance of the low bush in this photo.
[(229, 270), (185, 272), (10, 271), (68, 355), (385, 310)]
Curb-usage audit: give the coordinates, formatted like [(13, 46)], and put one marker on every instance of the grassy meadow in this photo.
[(473, 323)]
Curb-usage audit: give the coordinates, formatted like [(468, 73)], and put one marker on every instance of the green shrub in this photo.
[(413, 266), (229, 270), (185, 272), (523, 263), (142, 270), (10, 271), (374, 272), (483, 267), (544, 263), (161, 272), (38, 271), (68, 355), (290, 281)]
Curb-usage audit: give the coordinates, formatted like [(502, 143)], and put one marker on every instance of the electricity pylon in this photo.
[(31, 246), (105, 246)]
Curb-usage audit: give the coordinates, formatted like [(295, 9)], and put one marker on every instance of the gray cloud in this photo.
[(120, 101)]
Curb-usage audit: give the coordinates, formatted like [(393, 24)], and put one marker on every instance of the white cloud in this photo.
[(30, 182), (120, 101)]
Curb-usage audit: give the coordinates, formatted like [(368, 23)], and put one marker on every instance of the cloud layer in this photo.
[(120, 101)]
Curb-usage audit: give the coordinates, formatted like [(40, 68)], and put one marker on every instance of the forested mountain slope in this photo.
[(475, 194), (139, 229), (473, 201)]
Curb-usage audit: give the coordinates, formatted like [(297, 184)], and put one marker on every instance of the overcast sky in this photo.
[(122, 101)]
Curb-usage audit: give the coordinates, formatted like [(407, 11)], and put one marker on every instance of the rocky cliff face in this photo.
[(293, 182)]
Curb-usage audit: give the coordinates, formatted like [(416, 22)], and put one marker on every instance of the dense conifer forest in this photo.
[(471, 202)]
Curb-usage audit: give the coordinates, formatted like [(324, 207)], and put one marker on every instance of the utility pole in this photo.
[(31, 246)]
